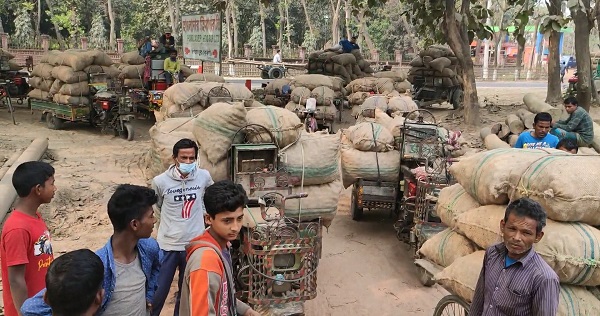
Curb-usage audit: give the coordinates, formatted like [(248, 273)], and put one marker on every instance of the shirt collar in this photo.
[(501, 248)]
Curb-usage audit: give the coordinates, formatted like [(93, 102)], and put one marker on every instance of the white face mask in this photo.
[(187, 168)]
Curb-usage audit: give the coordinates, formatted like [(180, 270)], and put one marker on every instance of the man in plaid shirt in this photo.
[(578, 127)]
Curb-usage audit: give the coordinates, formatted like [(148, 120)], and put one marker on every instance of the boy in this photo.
[(208, 281), (25, 245), (76, 274), (180, 190), (130, 257), (539, 137), (568, 145)]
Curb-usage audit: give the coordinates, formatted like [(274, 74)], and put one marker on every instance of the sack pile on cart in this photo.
[(473, 208), (132, 69), (187, 99), (274, 92), (394, 105), (63, 75), (436, 61), (332, 62), (13, 66), (324, 89)]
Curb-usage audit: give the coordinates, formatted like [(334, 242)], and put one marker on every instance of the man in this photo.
[(25, 245), (539, 136), (568, 145), (578, 127), (76, 274), (277, 57), (514, 279), (172, 68), (563, 70), (180, 192), (130, 258), (349, 45), (209, 284), (145, 46), (168, 41)]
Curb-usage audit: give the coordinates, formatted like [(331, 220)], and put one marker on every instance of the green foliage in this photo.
[(24, 34), (98, 38)]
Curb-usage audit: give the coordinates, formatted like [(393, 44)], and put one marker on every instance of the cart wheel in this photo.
[(457, 99), (127, 132), (19, 101), (275, 73), (424, 277), (451, 305), (54, 122), (357, 212)]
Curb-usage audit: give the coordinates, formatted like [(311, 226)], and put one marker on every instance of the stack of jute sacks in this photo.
[(186, 99), (62, 76), (473, 208), (312, 158), (13, 66), (323, 88), (132, 69), (391, 91), (438, 61), (332, 62), (273, 89)]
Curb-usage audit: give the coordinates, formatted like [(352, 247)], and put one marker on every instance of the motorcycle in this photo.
[(112, 111)]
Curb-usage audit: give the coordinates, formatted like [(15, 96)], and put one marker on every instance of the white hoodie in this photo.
[(181, 203)]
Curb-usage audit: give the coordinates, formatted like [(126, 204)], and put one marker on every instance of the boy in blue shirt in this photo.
[(540, 136)]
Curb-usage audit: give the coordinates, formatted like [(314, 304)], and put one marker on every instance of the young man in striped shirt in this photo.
[(514, 279)]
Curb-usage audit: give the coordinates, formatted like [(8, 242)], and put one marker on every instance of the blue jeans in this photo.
[(562, 134), (170, 262)]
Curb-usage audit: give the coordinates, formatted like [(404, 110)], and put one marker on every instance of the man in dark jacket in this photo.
[(168, 41)]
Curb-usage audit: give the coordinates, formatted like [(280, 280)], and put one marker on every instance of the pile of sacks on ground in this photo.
[(473, 208), (505, 135), (313, 159), (332, 62), (13, 66), (189, 98), (324, 89), (132, 70), (390, 89), (62, 76), (438, 61)]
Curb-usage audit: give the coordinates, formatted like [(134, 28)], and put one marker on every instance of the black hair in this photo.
[(571, 100), (568, 144), (73, 281), (129, 202), (224, 196), (30, 174), (542, 117), (528, 208), (279, 50), (183, 144)]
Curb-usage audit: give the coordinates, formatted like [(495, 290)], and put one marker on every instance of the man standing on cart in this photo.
[(514, 279)]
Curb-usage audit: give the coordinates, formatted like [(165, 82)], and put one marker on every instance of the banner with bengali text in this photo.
[(202, 36)]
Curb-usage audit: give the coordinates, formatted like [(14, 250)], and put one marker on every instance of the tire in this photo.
[(457, 99), (449, 303), (54, 122), (424, 277), (357, 212), (127, 132), (275, 73)]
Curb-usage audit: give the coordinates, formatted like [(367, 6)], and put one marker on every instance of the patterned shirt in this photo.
[(528, 287), (579, 122)]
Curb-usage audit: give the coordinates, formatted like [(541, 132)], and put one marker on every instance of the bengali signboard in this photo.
[(202, 37)]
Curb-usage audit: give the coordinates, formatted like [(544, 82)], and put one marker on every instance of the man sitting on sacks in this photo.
[(514, 279), (539, 136), (349, 45), (579, 126)]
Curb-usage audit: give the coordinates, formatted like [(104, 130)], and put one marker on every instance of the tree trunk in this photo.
[(288, 33), (171, 8), (261, 8), (308, 20), (347, 18), (178, 22), (1, 27), (364, 31), (228, 25), (281, 23), (520, 52), (61, 40), (458, 39), (335, 21), (38, 20), (411, 35), (236, 51), (533, 53), (554, 93), (582, 53)]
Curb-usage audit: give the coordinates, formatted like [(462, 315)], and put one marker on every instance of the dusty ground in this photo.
[(364, 269)]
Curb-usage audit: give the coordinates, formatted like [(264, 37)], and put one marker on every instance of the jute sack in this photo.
[(368, 165), (283, 124), (100, 58), (186, 71), (5, 53), (403, 86), (46, 58), (74, 59), (453, 201), (396, 75), (239, 92), (133, 83), (323, 95), (416, 62), (447, 246), (133, 72), (176, 111), (218, 171), (440, 63), (110, 71), (163, 137), (380, 118), (321, 202), (370, 137), (56, 86), (205, 77), (485, 175), (460, 278), (293, 107), (276, 84), (357, 98), (132, 58), (315, 157), (313, 81), (344, 59), (216, 126), (13, 66), (42, 70), (184, 94), (559, 185), (402, 104), (73, 100), (570, 249), (41, 83), (38, 94), (300, 95), (377, 101), (76, 89), (357, 54), (576, 301), (273, 100)]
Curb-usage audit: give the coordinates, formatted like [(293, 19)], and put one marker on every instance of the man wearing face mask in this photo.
[(180, 192)]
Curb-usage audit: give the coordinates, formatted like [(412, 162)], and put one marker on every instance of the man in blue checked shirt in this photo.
[(130, 257)]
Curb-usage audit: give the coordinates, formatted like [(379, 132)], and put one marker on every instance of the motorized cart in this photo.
[(429, 89), (109, 108), (14, 82), (276, 256)]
